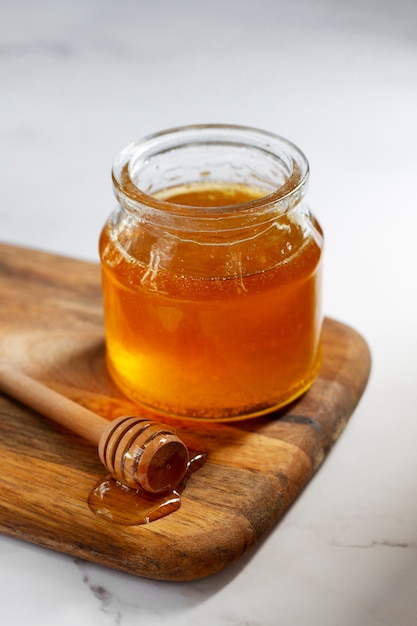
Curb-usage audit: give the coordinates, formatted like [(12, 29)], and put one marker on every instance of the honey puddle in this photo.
[(118, 504)]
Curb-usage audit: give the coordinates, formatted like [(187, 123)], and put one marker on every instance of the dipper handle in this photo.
[(136, 451)]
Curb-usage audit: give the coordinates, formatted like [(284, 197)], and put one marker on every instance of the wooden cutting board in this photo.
[(51, 327)]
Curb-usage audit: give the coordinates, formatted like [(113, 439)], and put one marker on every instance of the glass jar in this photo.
[(211, 273)]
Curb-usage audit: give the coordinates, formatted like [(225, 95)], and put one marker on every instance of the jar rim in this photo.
[(282, 198)]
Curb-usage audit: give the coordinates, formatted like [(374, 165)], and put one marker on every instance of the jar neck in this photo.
[(210, 155)]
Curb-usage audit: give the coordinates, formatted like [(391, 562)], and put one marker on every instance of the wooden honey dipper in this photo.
[(137, 452)]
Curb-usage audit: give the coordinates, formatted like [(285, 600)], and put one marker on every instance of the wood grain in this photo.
[(51, 327)]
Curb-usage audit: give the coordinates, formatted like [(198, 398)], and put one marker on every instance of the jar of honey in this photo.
[(211, 273)]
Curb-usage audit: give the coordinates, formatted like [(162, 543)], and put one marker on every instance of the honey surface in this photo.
[(214, 331), (209, 195)]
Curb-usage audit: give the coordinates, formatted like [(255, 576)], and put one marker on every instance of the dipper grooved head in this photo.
[(141, 453)]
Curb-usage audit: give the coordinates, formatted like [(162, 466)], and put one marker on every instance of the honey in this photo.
[(216, 313)]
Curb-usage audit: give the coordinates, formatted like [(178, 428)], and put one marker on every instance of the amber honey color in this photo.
[(224, 329)]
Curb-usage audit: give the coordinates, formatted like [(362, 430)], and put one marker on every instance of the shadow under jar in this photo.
[(211, 273)]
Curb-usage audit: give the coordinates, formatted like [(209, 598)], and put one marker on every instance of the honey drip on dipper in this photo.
[(129, 506)]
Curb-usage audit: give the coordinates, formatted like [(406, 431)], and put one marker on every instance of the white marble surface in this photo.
[(80, 80)]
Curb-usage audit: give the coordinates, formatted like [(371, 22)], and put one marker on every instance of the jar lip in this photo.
[(283, 196)]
